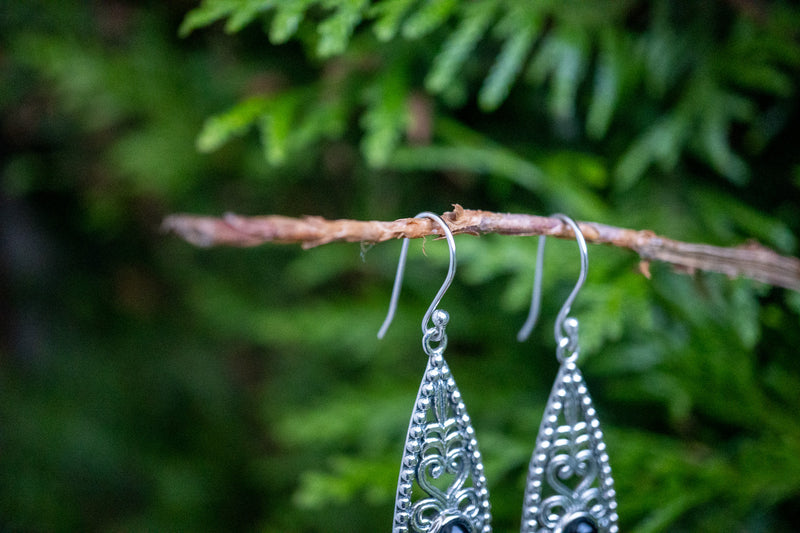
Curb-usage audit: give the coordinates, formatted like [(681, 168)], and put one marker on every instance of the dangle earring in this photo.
[(569, 488), (440, 457)]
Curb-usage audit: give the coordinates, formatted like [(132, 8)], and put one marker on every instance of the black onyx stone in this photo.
[(456, 526), (581, 524)]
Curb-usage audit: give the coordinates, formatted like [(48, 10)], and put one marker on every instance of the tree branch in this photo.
[(750, 260)]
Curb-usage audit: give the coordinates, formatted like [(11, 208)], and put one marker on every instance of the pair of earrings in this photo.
[(442, 485)]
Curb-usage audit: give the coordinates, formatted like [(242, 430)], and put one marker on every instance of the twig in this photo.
[(750, 260)]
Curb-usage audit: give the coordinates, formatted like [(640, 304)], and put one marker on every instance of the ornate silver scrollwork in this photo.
[(441, 459), (569, 477)]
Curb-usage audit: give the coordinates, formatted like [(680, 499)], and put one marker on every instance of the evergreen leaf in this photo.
[(713, 142), (388, 15), (570, 52), (336, 30), (716, 110), (494, 161), (386, 115), (287, 123), (207, 13), (606, 85), (287, 18), (218, 129), (459, 45), (429, 17), (761, 77), (276, 127), (246, 12), (327, 118), (665, 54), (562, 58), (771, 56), (662, 143), (727, 220), (520, 27)]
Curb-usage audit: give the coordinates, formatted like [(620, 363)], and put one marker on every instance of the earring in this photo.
[(569, 488), (440, 457)]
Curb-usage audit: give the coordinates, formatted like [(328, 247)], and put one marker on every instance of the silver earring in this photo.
[(569, 488), (442, 486)]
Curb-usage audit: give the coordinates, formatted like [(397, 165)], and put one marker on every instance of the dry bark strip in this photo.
[(750, 260)]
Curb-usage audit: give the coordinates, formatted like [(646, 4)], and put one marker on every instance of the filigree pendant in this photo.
[(442, 486), (569, 487)]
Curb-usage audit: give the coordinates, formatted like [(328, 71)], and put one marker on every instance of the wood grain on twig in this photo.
[(751, 260)]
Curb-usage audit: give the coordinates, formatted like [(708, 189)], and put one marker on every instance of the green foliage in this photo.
[(146, 385), (285, 129), (475, 20), (701, 87), (385, 117), (517, 29)]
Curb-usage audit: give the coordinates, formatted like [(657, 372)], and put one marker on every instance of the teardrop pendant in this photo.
[(569, 487), (441, 459)]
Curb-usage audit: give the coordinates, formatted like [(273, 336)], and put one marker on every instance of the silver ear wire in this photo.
[(536, 296), (401, 266)]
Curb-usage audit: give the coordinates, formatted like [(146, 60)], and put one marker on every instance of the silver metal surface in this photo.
[(569, 474), (569, 477), (441, 475), (401, 267)]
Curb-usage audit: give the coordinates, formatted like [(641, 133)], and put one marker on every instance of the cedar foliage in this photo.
[(146, 385)]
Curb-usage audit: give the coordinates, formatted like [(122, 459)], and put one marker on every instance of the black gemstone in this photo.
[(456, 526), (581, 524)]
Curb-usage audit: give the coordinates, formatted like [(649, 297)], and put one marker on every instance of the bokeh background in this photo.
[(148, 385)]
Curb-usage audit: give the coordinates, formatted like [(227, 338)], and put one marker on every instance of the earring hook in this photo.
[(398, 280), (565, 329)]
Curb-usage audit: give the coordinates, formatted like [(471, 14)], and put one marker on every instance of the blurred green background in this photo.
[(147, 385)]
